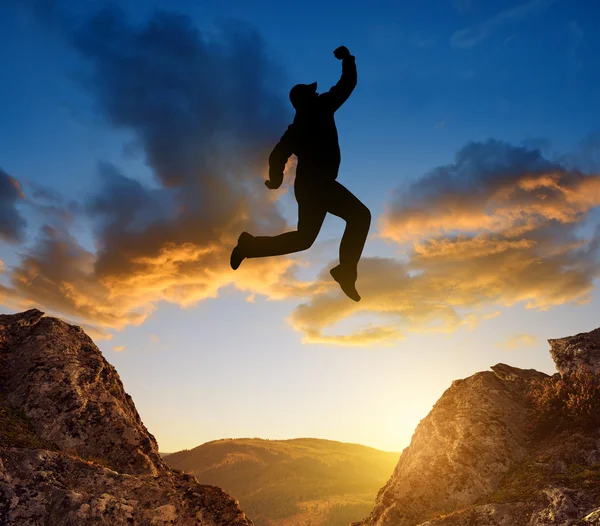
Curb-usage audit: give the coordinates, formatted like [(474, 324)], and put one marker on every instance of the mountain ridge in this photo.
[(292, 481), (295, 439)]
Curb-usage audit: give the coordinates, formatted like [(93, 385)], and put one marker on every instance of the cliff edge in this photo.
[(73, 449)]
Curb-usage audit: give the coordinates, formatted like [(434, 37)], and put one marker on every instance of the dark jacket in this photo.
[(313, 137)]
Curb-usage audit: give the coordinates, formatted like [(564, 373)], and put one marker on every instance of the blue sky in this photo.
[(476, 256)]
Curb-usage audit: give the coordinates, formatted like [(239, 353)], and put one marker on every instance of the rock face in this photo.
[(562, 507), (74, 398), (478, 460), (98, 464), (573, 352), (473, 435)]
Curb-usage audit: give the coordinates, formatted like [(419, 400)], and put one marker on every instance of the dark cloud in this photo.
[(193, 100), (49, 206), (12, 223), (204, 110), (205, 113), (586, 156), (492, 186)]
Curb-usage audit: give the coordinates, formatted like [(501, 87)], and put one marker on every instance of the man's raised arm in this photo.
[(339, 93)]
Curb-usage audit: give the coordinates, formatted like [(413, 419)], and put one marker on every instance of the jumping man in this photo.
[(313, 138)]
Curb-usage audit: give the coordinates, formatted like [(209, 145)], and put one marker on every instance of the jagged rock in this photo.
[(476, 432), (573, 352), (40, 487), (513, 514), (72, 395), (592, 518), (514, 374), (478, 459), (561, 507), (97, 464)]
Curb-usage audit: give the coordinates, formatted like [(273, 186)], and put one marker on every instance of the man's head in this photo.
[(302, 94)]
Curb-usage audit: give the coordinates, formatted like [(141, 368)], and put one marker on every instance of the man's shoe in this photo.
[(238, 254), (346, 282)]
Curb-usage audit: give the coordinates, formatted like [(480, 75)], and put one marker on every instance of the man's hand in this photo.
[(271, 185), (341, 53)]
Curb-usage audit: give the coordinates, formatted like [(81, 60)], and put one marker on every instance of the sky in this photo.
[(134, 145)]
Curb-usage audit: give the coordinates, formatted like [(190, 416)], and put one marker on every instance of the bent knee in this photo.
[(363, 215)]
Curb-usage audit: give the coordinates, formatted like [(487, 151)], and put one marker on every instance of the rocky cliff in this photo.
[(484, 455), (73, 450), (582, 350)]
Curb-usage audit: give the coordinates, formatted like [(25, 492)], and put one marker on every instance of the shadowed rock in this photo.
[(74, 398)]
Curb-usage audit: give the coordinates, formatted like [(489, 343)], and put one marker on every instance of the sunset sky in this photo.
[(133, 151)]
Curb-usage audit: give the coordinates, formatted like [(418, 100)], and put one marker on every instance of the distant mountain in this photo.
[(299, 482)]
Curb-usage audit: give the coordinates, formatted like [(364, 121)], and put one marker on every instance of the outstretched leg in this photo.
[(346, 205), (311, 214)]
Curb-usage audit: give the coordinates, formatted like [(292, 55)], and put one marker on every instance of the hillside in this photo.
[(296, 482)]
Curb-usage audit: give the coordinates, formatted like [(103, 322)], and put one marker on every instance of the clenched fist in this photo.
[(271, 185), (341, 53)]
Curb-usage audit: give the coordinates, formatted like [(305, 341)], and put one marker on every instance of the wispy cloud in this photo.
[(576, 34), (518, 341), (492, 315), (422, 39), (471, 36), (119, 348)]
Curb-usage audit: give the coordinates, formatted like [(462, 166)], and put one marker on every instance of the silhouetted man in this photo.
[(313, 138)]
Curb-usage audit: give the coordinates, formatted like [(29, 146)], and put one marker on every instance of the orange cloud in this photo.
[(423, 296), (208, 153), (499, 227), (519, 340), (492, 315), (518, 205), (463, 247), (62, 278)]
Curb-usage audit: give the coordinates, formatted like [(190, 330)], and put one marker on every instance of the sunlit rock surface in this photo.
[(579, 351), (476, 459)]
